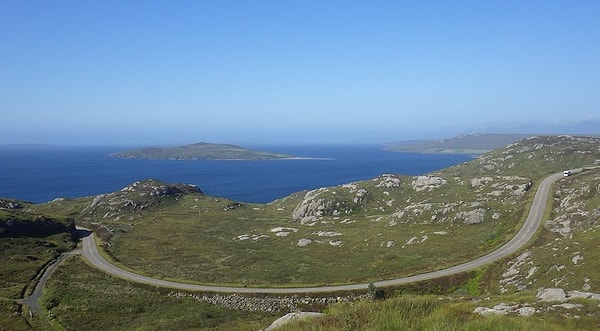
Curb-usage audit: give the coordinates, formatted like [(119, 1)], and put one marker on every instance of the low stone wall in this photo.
[(266, 304)]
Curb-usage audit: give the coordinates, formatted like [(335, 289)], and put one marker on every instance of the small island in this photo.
[(199, 151)]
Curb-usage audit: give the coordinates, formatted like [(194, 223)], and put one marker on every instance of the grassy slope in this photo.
[(195, 228), (576, 203), (433, 313), (195, 237), (569, 259), (21, 260), (79, 297)]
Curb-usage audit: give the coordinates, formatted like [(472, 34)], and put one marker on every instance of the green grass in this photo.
[(434, 313), (201, 235), (10, 317), (206, 250), (552, 253), (23, 258), (80, 298), (192, 237)]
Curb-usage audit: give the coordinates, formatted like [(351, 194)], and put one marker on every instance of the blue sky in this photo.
[(250, 72)]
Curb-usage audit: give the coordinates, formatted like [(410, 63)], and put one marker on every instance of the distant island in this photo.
[(199, 151), (470, 144)]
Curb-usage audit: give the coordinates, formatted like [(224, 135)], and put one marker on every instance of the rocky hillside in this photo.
[(538, 156), (389, 226), (443, 217), (558, 273), (140, 195), (567, 254), (487, 188)]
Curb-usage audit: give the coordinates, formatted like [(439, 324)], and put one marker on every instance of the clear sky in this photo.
[(171, 72)]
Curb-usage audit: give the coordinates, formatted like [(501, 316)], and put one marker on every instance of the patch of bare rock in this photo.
[(544, 295), (421, 183), (292, 317)]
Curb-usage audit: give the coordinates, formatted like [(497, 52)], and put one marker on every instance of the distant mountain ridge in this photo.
[(474, 144), (199, 151)]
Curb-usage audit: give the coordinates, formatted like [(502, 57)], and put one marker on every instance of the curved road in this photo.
[(529, 228)]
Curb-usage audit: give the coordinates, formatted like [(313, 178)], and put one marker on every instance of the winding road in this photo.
[(532, 223)]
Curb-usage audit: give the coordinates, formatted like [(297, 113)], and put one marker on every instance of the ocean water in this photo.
[(40, 174)]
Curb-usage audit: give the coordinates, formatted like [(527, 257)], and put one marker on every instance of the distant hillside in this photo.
[(478, 143), (199, 151)]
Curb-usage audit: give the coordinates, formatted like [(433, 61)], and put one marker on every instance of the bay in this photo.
[(40, 174)]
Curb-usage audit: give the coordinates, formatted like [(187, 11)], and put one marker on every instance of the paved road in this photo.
[(33, 300), (529, 228)]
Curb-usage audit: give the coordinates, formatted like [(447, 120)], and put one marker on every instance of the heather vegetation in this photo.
[(563, 258), (407, 224), (28, 242), (386, 227), (426, 312), (79, 297)]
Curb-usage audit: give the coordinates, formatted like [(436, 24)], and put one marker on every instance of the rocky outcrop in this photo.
[(138, 196), (559, 294), (156, 188), (574, 215), (472, 217), (10, 204), (387, 181), (514, 275), (506, 309), (290, 317), (552, 294), (311, 206), (327, 202), (544, 296), (421, 183), (38, 227)]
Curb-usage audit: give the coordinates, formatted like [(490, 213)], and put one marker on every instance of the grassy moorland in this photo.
[(28, 242), (194, 237), (409, 312), (389, 226), (565, 255), (79, 297)]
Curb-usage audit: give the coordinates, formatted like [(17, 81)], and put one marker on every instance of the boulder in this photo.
[(291, 317), (421, 183), (552, 294), (472, 217)]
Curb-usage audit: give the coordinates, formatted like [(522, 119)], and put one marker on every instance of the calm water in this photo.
[(41, 174)]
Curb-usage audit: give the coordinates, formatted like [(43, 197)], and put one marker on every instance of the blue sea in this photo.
[(40, 174)]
